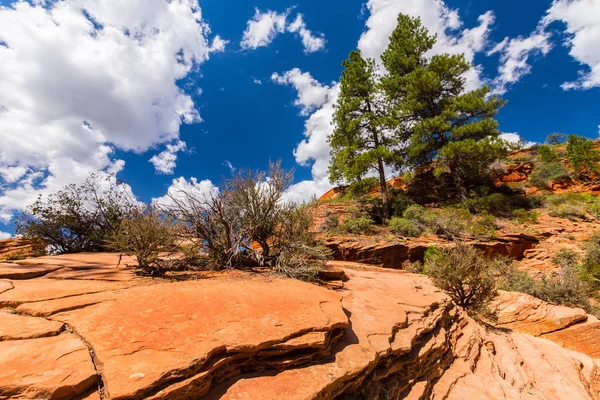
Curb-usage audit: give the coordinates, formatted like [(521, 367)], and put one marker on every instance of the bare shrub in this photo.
[(248, 223), (146, 234)]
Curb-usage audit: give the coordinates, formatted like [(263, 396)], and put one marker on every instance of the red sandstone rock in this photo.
[(15, 271), (58, 367), (17, 327)]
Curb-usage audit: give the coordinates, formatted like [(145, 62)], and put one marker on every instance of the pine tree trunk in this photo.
[(461, 190), (384, 191)]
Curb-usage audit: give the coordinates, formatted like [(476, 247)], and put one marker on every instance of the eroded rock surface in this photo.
[(387, 334)]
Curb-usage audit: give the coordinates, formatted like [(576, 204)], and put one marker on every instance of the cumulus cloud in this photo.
[(81, 78), (582, 20), (311, 94), (166, 161), (218, 45), (514, 57), (264, 27), (5, 235), (311, 43), (439, 19), (180, 185)]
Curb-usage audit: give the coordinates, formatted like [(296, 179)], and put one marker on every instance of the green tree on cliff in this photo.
[(441, 120), (361, 141)]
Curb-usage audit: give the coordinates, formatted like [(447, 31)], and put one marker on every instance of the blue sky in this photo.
[(97, 85)]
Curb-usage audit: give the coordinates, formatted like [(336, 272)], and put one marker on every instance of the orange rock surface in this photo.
[(237, 335)]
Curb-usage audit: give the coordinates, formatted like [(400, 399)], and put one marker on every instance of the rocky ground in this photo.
[(79, 327)]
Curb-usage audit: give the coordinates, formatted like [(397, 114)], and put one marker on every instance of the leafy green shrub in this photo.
[(582, 155), (405, 227), (465, 274), (145, 234), (547, 154), (515, 280), (400, 202), (546, 172), (360, 225), (573, 206), (589, 267), (565, 258), (522, 216), (77, 217), (564, 289)]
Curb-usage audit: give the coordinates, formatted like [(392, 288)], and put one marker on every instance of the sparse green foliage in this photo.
[(361, 142), (400, 202), (582, 155), (405, 227), (362, 225), (590, 264), (144, 234), (555, 138), (465, 274), (565, 258), (573, 206), (77, 217), (515, 280), (522, 216), (360, 188), (546, 172), (441, 120), (547, 154)]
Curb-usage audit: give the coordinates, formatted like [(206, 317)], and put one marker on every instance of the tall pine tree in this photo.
[(441, 121), (361, 141)]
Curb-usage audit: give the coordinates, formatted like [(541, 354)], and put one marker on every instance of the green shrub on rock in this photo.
[(405, 227)]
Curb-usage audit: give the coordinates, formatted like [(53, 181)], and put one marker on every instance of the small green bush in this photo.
[(400, 203), (573, 206), (565, 258), (405, 227), (582, 155), (589, 267), (359, 226), (465, 274), (331, 223), (547, 154), (556, 138), (515, 280), (546, 172), (522, 216)]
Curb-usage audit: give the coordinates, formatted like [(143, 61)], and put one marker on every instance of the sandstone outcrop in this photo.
[(236, 335), (388, 253), (571, 328), (16, 248)]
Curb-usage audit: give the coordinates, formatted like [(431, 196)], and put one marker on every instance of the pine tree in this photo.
[(361, 141), (442, 122)]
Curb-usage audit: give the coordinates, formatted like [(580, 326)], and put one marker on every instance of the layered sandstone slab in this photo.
[(57, 367), (43, 289), (527, 314), (176, 338), (15, 271), (17, 327)]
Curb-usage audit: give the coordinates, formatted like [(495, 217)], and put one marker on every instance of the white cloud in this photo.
[(256, 81), (310, 42), (515, 138), (438, 19), (75, 85), (311, 94), (218, 45), (165, 162), (5, 235), (582, 19), (180, 185), (264, 27), (320, 99), (514, 57)]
